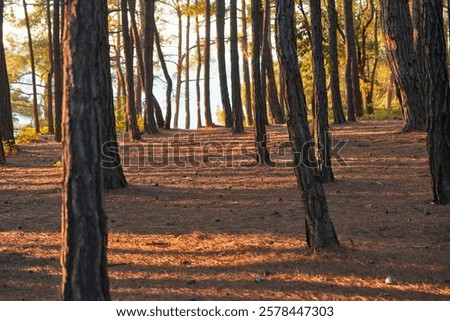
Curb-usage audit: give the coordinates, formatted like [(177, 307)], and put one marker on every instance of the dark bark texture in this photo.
[(245, 66), (398, 36), (84, 232), (438, 99), (6, 127), (319, 227), (238, 114), (207, 71)]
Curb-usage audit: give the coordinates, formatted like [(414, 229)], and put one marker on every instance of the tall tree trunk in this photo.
[(336, 100), (49, 109), (129, 78), (199, 69), (320, 231), (187, 80), (354, 100), (220, 26), (321, 126), (84, 231), (398, 35), (271, 90), (37, 125), (238, 114), (369, 96), (179, 65), (245, 65), (6, 121), (169, 84), (149, 39), (438, 99), (57, 64), (207, 71), (262, 155)]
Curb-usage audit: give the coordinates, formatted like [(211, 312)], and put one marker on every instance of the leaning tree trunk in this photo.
[(438, 99), (319, 227), (321, 126), (84, 231), (6, 121), (336, 100), (238, 114), (398, 35), (262, 155), (37, 125), (169, 87), (224, 94)]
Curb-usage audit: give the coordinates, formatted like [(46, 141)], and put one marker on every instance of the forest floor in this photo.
[(199, 221)]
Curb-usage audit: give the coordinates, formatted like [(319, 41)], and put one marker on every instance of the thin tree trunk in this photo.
[(187, 97), (320, 95), (336, 100), (438, 99), (369, 97), (207, 93), (179, 65), (262, 155), (169, 84), (37, 125), (224, 94), (354, 100), (6, 121), (84, 230), (245, 66), (129, 78), (49, 111), (238, 114), (199, 70), (271, 90), (320, 231), (57, 64), (149, 39)]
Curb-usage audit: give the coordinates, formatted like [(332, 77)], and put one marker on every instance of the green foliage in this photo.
[(384, 114), (27, 134)]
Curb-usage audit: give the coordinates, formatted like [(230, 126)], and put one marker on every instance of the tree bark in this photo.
[(169, 85), (224, 94), (271, 89), (129, 77), (320, 231), (354, 100), (179, 65), (207, 71), (187, 80), (238, 114), (199, 68), (49, 109), (84, 231), (262, 154), (6, 121), (245, 66), (149, 39), (398, 35), (57, 64), (37, 125), (2, 151), (438, 99), (321, 126), (336, 100)]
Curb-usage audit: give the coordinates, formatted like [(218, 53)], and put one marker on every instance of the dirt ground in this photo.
[(199, 221)]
